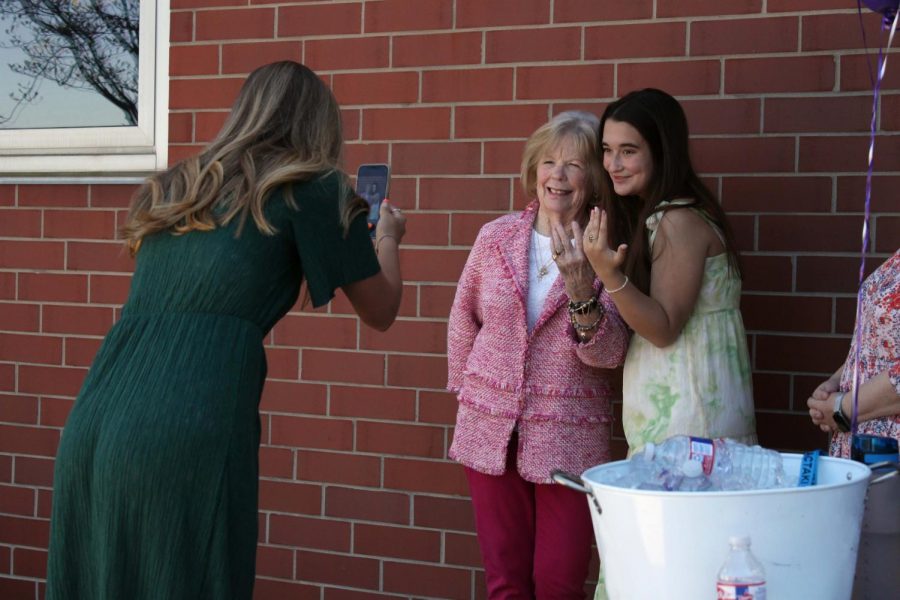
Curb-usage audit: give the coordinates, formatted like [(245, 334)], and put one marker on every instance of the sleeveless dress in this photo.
[(700, 385), (155, 482)]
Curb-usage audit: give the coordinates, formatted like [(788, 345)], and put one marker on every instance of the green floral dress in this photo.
[(700, 385)]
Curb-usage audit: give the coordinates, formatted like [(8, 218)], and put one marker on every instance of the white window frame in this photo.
[(80, 151)]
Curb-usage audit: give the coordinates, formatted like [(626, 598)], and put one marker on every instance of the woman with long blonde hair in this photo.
[(155, 484)]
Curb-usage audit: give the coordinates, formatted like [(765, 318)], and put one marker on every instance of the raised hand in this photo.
[(573, 265), (604, 260)]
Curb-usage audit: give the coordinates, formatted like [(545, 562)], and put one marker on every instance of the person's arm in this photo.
[(877, 398), (683, 241), (376, 299)]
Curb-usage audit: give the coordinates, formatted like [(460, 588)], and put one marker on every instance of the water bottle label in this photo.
[(704, 451), (726, 590), (809, 468)]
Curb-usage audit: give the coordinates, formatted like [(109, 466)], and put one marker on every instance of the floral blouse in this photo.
[(878, 333)]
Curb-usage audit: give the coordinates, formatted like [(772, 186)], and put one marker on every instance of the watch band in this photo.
[(840, 419)]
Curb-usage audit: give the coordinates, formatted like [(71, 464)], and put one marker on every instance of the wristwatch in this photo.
[(840, 419)]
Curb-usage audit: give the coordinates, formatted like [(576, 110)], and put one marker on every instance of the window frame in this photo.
[(80, 151)]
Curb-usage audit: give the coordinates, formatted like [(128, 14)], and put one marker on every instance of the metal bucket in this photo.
[(657, 544)]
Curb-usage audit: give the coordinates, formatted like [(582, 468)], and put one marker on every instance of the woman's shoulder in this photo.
[(503, 225)]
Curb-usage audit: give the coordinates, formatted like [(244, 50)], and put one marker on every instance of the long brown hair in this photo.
[(285, 126), (661, 121)]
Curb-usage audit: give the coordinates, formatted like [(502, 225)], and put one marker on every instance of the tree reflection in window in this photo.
[(59, 48)]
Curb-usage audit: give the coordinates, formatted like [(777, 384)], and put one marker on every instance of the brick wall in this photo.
[(357, 499)]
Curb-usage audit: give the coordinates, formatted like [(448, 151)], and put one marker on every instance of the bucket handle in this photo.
[(892, 466), (574, 482)]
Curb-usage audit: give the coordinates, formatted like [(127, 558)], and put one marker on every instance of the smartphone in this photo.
[(372, 182)]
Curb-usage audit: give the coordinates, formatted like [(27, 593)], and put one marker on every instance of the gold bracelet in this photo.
[(386, 235), (620, 288)]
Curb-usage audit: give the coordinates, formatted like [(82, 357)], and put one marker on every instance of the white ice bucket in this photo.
[(656, 544)]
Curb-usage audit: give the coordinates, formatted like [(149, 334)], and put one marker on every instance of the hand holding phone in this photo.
[(372, 183)]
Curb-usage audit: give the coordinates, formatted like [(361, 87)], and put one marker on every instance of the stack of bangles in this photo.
[(583, 308)]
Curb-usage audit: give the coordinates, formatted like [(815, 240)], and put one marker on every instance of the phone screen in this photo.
[(372, 182)]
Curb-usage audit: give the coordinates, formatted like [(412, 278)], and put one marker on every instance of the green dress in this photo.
[(156, 477)]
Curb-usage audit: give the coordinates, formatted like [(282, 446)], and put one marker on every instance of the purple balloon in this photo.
[(888, 8)]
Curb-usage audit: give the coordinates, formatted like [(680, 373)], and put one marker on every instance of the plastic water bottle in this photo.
[(729, 465), (742, 576), (693, 479)]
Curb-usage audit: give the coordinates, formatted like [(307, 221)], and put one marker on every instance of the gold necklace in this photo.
[(543, 269)]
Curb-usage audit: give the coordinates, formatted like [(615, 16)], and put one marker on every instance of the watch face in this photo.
[(841, 421)]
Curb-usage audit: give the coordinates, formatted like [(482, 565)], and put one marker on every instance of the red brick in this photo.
[(679, 78), (16, 589), (377, 88), (857, 74), (696, 8), (580, 11), (237, 24), (80, 352), (15, 500), (845, 315), (294, 397), (93, 224), (308, 532), (347, 53), (203, 93), (421, 580), (109, 289), (357, 154), (441, 49), (28, 440), (743, 155), (347, 469), (350, 120), (771, 391), (7, 286), (53, 195), (15, 222), (809, 233), (437, 407), (15, 408), (437, 158), (477, 13), (397, 542), (270, 588), (777, 194), (86, 320), (467, 85), (289, 496), (407, 336), (275, 562), (803, 353), (504, 158), (276, 462), (5, 475), (19, 317), (830, 114), (795, 5), (417, 371), (789, 432), (338, 569), (244, 58), (380, 506), (326, 332), (720, 116), (176, 4), (98, 256), (744, 36), (301, 432), (194, 60), (463, 550), (533, 45), (36, 472), (435, 300), (428, 476), (55, 411), (209, 124), (343, 367), (817, 153), (434, 265), (7, 195), (112, 195), (454, 514), (581, 81), (30, 348), (399, 439), (780, 74), (372, 403), (409, 123), (408, 15), (767, 273), (635, 41), (831, 274), (427, 229), (345, 594), (56, 381), (466, 227), (28, 254), (797, 314), (851, 193), (181, 27), (886, 234), (838, 31)]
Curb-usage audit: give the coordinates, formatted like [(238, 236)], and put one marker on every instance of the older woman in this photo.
[(532, 343)]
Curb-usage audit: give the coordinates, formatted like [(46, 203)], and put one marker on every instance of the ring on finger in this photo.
[(591, 238)]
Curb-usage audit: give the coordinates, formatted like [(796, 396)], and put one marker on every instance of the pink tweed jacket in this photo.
[(555, 390)]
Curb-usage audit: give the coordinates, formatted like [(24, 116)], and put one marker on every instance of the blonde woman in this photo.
[(155, 488)]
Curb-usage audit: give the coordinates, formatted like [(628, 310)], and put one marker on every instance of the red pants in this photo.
[(535, 539)]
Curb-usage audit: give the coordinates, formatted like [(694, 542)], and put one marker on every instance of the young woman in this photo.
[(677, 284), (155, 487)]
